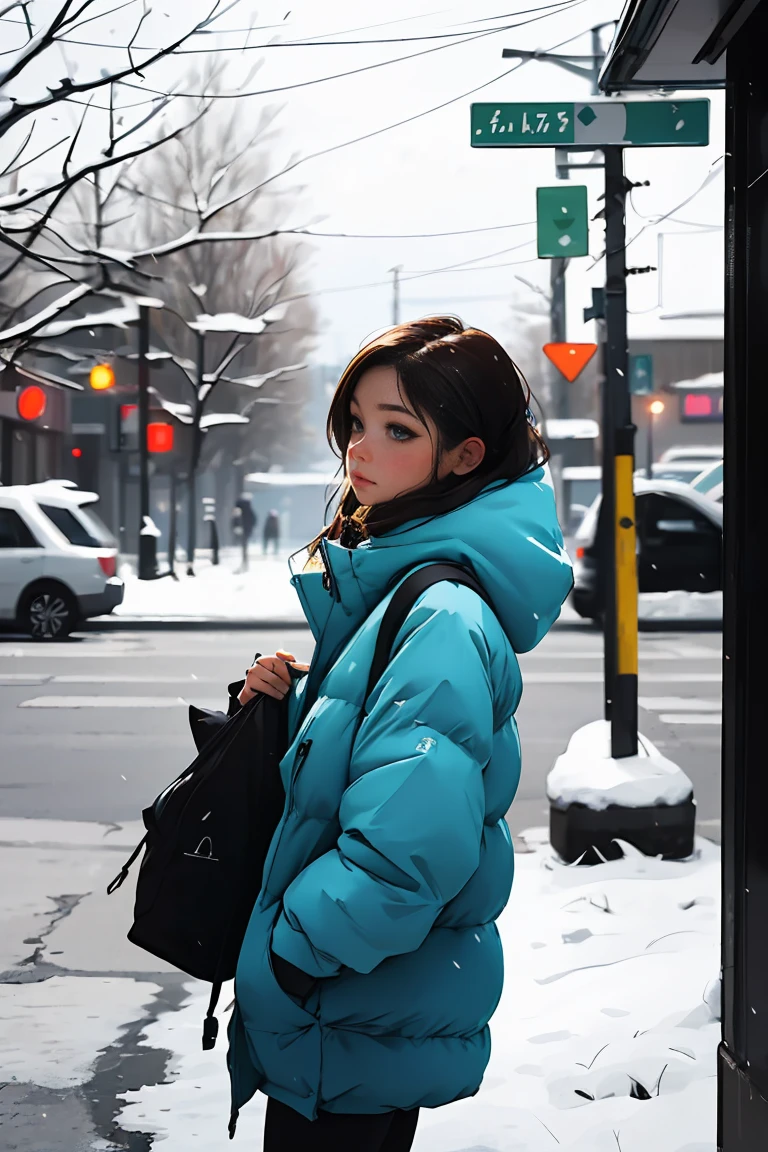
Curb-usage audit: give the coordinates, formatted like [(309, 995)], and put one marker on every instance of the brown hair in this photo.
[(464, 381)]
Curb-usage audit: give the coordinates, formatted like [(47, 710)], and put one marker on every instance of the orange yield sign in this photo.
[(570, 359)]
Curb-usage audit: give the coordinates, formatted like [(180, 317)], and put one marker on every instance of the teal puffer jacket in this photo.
[(392, 859)]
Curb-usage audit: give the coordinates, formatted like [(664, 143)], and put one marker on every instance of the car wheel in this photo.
[(49, 613)]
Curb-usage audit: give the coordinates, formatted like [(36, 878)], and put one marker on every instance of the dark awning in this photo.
[(672, 44)]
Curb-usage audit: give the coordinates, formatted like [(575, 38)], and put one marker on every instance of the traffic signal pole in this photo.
[(147, 543), (620, 619)]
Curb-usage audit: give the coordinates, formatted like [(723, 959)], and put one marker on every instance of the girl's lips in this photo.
[(358, 479)]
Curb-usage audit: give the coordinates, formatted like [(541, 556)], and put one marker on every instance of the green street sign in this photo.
[(638, 123), (641, 374), (562, 227)]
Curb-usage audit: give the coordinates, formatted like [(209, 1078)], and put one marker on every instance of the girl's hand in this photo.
[(270, 675)]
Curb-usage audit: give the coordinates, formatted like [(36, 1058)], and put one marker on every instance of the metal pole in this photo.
[(147, 543), (192, 479), (618, 491), (396, 293), (172, 522), (598, 56), (649, 445), (557, 330)]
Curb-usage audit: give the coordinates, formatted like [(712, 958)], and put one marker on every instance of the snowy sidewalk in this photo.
[(605, 1039), (217, 593)]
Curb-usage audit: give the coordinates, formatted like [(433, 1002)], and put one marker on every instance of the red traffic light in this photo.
[(31, 402), (160, 437)]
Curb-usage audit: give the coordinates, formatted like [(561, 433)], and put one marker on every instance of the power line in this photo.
[(408, 235), (467, 39), (408, 119), (546, 10)]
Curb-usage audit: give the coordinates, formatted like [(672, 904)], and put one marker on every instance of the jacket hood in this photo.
[(508, 535)]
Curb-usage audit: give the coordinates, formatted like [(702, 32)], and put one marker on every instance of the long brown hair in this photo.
[(464, 381)]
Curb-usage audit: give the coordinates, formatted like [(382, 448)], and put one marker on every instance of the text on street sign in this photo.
[(635, 123)]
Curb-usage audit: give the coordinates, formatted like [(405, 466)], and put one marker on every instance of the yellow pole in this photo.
[(626, 567)]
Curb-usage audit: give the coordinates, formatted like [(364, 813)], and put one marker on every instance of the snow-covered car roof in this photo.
[(63, 492)]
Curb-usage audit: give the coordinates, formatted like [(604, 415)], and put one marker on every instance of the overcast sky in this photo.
[(424, 177)]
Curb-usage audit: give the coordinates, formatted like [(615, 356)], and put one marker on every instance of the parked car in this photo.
[(580, 486), (58, 561), (679, 545), (686, 471), (710, 482), (701, 454)]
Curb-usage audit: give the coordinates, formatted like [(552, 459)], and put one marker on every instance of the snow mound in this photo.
[(602, 1028), (217, 592), (587, 774)]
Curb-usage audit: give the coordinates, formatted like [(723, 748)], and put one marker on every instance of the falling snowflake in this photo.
[(425, 744)]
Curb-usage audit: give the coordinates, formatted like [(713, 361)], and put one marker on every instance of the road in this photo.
[(93, 729)]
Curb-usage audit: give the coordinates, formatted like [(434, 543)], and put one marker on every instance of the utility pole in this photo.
[(396, 293), (618, 468), (587, 67)]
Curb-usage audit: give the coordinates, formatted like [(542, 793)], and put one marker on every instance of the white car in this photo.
[(58, 561)]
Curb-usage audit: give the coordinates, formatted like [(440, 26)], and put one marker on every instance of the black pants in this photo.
[(286, 1130)]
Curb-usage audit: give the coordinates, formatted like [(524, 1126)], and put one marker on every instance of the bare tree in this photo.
[(42, 166)]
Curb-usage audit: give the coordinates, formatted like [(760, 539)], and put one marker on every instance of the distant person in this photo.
[(272, 530), (244, 521)]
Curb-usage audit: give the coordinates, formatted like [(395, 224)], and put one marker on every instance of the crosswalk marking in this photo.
[(103, 702), (684, 709), (690, 718)]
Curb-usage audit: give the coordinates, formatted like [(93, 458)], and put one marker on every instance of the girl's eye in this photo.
[(400, 433), (356, 421)]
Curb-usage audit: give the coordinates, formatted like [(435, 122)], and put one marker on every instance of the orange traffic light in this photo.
[(102, 377), (570, 359), (31, 402), (160, 437)]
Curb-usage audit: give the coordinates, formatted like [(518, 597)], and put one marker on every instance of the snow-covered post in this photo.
[(596, 800)]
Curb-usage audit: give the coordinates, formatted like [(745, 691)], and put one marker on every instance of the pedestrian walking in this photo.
[(272, 531), (244, 522), (372, 964)]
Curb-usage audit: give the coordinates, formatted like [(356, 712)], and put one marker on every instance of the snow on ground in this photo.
[(216, 592), (604, 1040), (221, 592)]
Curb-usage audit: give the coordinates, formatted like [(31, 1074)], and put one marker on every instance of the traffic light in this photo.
[(562, 225), (31, 402), (102, 377), (160, 437)]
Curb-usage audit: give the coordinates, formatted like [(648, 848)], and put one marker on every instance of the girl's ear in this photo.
[(468, 456)]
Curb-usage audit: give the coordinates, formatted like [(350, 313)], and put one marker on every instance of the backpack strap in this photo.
[(404, 599)]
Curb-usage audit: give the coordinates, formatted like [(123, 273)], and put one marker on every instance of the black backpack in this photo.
[(208, 833)]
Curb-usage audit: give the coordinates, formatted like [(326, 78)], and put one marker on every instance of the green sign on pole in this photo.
[(638, 123), (641, 374), (562, 226)]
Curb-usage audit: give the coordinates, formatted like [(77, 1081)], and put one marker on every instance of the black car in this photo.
[(679, 545)]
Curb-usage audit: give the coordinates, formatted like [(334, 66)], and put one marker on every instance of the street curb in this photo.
[(192, 624)]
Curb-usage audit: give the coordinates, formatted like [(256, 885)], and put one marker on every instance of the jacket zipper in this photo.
[(301, 755), (329, 581)]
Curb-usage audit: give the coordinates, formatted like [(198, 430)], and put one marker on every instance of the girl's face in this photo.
[(390, 452)]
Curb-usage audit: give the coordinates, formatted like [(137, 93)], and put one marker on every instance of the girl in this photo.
[(372, 963)]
